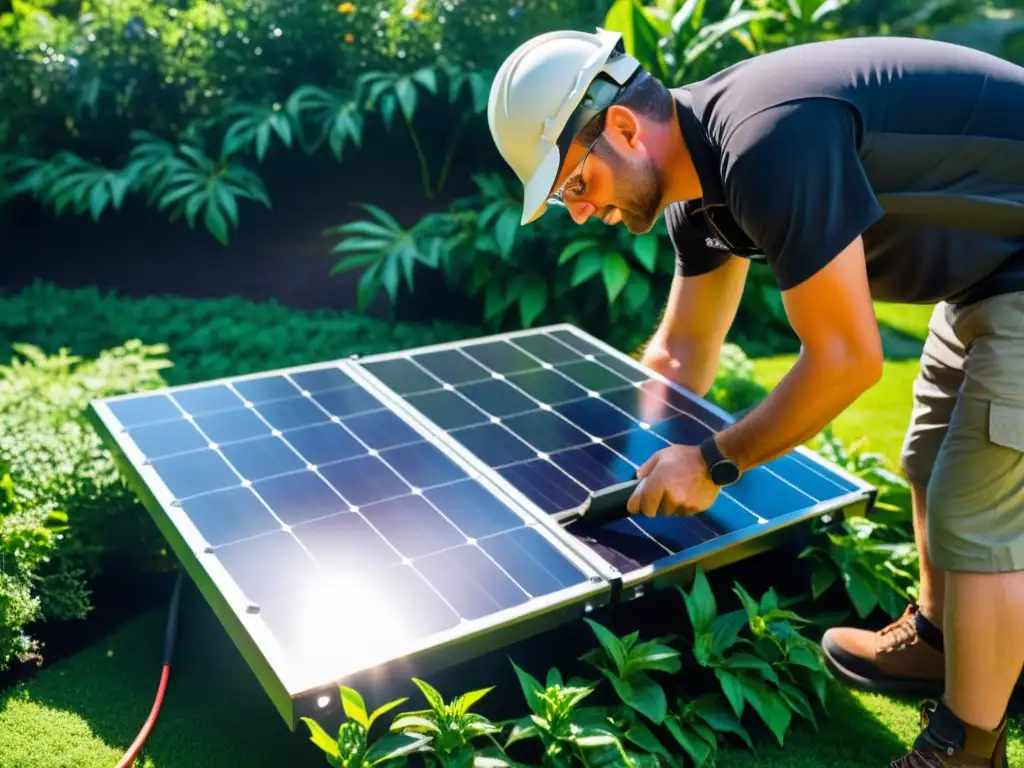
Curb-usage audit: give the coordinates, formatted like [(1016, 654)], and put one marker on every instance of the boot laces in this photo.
[(899, 634)]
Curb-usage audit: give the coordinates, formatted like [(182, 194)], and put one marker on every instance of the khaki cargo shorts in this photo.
[(965, 442)]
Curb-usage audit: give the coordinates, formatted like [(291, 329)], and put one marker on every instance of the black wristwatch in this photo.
[(723, 471)]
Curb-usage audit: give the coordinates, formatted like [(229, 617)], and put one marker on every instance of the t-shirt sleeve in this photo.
[(697, 252), (795, 184)]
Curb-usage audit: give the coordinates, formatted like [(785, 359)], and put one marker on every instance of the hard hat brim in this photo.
[(538, 187)]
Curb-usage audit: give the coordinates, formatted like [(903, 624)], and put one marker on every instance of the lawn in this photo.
[(84, 711)]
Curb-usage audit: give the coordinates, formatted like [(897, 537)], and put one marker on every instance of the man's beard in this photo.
[(638, 184)]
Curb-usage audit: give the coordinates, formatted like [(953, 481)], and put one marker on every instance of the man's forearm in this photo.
[(813, 393)]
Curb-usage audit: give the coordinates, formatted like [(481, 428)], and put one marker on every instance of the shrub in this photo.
[(738, 668)]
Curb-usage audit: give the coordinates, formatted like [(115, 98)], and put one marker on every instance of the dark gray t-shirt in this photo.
[(916, 145)]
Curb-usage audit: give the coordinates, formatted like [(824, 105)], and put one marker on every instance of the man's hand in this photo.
[(674, 479)]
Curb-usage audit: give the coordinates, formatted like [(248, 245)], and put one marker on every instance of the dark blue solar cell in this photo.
[(547, 386), (545, 485), (144, 409), (768, 495), (621, 542), (593, 376), (728, 516), (423, 465), (682, 430), (189, 474), (346, 545), (685, 404), (322, 379), (640, 404), (596, 417), (382, 429), (231, 515), (472, 508), (546, 431), (402, 375), (347, 402), (532, 561), (231, 426), (546, 348), (448, 410), (412, 526), (498, 398), (207, 399), (299, 497), (452, 366), (291, 413), (494, 445), (637, 445), (168, 437), (325, 443), (811, 477), (578, 343), (595, 466), (621, 367), (364, 480), (676, 532), (265, 388), (471, 582), (262, 457), (502, 357)]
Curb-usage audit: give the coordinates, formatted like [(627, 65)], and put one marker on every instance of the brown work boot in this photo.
[(947, 742), (895, 660)]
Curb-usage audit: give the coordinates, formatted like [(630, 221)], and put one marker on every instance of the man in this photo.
[(877, 168)]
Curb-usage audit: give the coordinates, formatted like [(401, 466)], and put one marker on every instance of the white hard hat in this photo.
[(539, 102)]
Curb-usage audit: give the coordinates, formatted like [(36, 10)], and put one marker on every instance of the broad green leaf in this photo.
[(382, 216), (700, 603), (466, 701), (319, 737), (823, 576), (692, 743), (532, 303), (805, 657), (531, 689), (861, 592), (653, 656), (749, 604), (575, 248), (725, 631), (394, 745), (588, 264), (720, 718), (645, 248), (769, 704), (405, 91), (610, 643), (616, 273), (505, 231), (642, 694), (522, 730), (797, 701), (641, 735), (434, 699), (732, 688), (354, 706), (215, 222), (637, 292), (639, 33), (748, 661), (415, 722)]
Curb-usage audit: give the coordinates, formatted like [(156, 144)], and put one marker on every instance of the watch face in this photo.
[(725, 473)]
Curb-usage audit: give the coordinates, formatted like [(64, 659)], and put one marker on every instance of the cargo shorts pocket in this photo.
[(1006, 425)]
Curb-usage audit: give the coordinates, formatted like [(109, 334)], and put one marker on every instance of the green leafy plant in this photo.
[(735, 387), (451, 728), (567, 731), (875, 559), (352, 748), (695, 726), (770, 669)]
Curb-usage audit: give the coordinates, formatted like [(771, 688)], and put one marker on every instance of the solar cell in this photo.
[(436, 495)]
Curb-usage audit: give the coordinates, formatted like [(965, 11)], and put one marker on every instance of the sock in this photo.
[(928, 632)]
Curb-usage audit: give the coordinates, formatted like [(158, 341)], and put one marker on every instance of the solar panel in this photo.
[(430, 504)]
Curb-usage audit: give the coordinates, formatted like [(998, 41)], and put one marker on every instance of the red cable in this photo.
[(133, 751)]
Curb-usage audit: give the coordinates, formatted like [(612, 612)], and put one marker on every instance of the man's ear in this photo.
[(622, 126)]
